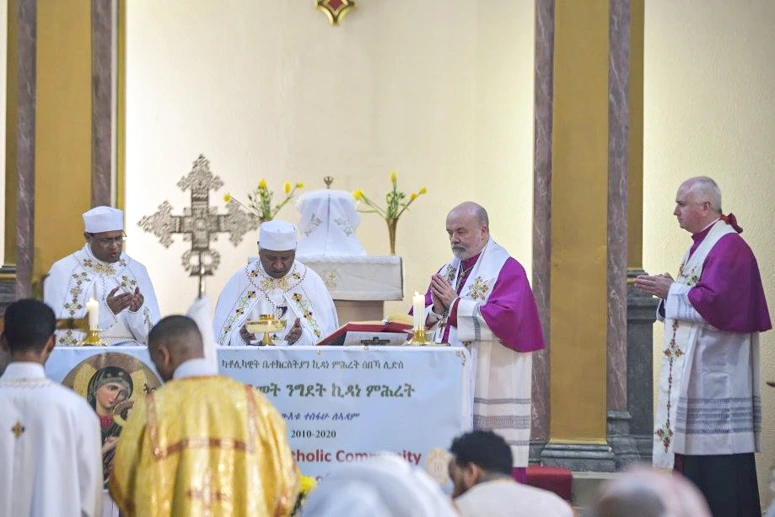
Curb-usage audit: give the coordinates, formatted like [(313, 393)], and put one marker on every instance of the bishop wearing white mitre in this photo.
[(276, 283), (123, 293)]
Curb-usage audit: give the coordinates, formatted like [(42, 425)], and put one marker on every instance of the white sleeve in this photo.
[(678, 307), (90, 464), (470, 323)]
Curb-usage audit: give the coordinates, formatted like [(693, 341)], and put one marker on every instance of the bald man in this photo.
[(708, 415), (481, 299), (202, 442), (642, 492)]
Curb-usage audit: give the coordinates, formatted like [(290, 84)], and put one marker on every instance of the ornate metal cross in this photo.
[(200, 223)]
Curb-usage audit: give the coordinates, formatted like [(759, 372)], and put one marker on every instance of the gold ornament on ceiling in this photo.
[(335, 9)]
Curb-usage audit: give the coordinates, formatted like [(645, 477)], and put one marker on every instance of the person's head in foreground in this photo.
[(382, 486), (173, 341), (644, 492), (28, 332), (477, 457)]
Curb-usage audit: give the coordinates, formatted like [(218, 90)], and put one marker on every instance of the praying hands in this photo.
[(442, 294), (131, 300), (656, 285)]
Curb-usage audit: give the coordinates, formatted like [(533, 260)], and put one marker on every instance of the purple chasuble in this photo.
[(729, 294), (510, 311)]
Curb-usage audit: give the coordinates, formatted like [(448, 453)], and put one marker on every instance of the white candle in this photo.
[(93, 310), (264, 308), (418, 310)]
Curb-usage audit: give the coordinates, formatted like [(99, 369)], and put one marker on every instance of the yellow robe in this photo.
[(204, 446)]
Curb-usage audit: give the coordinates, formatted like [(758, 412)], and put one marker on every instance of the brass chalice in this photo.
[(267, 324)]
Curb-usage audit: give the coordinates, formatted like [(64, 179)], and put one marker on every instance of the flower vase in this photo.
[(392, 224)]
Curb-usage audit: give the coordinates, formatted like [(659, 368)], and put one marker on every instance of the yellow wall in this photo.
[(439, 90), (63, 129), (710, 109), (578, 358)]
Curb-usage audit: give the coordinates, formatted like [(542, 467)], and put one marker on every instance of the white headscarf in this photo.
[(382, 486)]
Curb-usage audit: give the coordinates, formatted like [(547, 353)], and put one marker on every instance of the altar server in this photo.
[(49, 436)]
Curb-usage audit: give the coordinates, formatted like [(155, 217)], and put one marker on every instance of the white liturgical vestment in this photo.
[(80, 276), (50, 447), (299, 294)]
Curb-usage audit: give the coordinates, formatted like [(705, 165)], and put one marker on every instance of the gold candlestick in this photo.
[(267, 324), (418, 338), (93, 338)]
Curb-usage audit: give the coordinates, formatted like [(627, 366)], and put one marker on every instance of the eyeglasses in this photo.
[(107, 241)]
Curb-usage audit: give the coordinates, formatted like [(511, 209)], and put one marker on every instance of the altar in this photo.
[(340, 404)]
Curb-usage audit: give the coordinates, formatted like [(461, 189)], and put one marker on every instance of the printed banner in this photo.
[(340, 404)]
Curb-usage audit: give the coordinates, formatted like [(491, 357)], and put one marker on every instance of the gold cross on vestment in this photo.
[(207, 495), (17, 430), (200, 223)]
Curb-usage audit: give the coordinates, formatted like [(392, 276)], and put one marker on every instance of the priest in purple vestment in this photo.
[(708, 416), (481, 299)]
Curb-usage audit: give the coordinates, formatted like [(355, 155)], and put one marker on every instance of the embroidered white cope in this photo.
[(80, 276), (299, 294), (689, 399), (503, 377), (50, 447)]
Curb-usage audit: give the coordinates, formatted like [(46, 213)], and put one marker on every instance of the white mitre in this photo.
[(328, 223), (103, 219)]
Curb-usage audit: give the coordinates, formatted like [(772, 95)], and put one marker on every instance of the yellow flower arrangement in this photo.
[(396, 204), (308, 484), (260, 200)]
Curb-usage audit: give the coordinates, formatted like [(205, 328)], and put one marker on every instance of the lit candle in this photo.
[(93, 310), (418, 310)]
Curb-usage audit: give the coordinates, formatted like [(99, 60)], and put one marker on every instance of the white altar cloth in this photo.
[(343, 404)]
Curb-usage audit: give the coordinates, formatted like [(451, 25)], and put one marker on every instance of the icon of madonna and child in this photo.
[(111, 383)]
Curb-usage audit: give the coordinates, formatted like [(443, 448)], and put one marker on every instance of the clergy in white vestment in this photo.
[(708, 415), (277, 284), (482, 300), (50, 459), (120, 285), (480, 468)]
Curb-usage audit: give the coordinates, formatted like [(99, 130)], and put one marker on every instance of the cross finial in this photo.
[(17, 430), (328, 180)]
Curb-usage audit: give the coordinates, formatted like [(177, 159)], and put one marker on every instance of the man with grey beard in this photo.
[(482, 300)]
